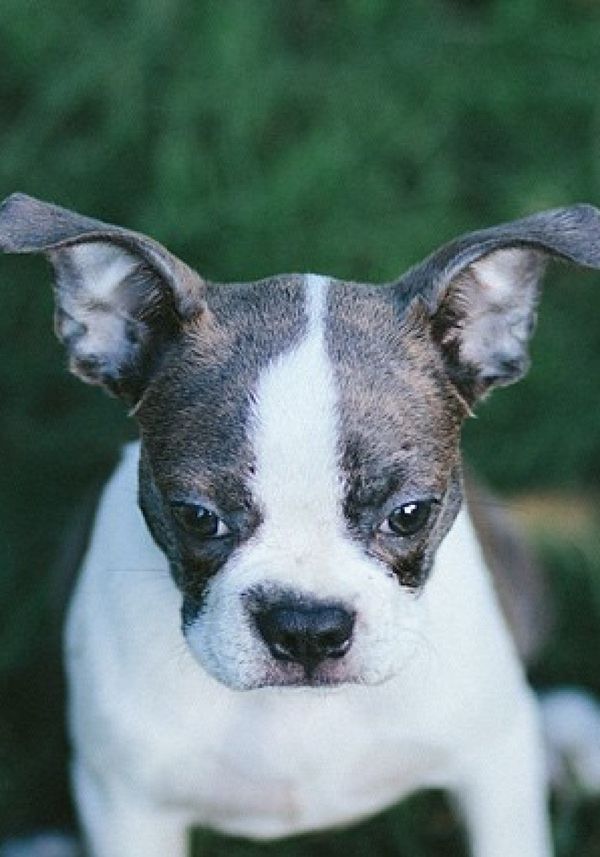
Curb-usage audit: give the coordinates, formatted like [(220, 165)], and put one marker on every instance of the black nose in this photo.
[(307, 633)]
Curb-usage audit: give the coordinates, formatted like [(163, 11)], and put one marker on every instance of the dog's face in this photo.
[(299, 469), (300, 461)]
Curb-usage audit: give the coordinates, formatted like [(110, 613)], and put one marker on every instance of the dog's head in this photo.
[(300, 462)]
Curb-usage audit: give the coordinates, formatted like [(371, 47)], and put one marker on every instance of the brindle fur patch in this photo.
[(399, 422), (194, 419)]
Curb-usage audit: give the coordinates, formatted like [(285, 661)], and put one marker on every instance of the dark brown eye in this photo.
[(408, 519), (199, 521)]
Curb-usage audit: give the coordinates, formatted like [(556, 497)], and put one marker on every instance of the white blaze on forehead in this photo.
[(296, 480)]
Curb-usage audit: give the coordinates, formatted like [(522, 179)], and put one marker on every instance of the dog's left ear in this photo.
[(481, 292)]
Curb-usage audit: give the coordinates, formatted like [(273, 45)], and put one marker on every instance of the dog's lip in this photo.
[(317, 680), (311, 684)]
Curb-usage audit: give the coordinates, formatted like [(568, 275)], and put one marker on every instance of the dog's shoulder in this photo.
[(516, 572)]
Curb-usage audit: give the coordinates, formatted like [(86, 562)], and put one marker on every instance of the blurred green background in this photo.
[(253, 136)]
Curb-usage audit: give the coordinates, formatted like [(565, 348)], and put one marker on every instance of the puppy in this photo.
[(297, 627)]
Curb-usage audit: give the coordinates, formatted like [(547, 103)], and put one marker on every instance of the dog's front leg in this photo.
[(118, 822), (503, 794)]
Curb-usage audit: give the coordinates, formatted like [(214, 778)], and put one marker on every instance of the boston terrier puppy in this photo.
[(285, 620)]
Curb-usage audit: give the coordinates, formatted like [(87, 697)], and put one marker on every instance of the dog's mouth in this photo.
[(327, 676), (323, 675)]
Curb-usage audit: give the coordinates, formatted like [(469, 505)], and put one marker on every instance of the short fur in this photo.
[(299, 415)]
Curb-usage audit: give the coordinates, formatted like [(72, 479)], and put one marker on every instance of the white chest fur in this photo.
[(271, 762)]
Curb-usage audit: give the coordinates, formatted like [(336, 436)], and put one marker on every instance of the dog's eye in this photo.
[(407, 519), (199, 521)]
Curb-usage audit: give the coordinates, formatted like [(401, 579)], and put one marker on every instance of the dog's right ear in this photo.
[(120, 296)]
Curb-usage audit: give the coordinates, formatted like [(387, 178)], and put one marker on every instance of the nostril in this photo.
[(336, 644), (282, 643), (305, 633), (335, 632)]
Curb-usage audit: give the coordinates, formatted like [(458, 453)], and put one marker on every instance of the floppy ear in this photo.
[(481, 292), (120, 297)]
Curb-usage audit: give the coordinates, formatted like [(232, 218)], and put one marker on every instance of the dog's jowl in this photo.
[(296, 627)]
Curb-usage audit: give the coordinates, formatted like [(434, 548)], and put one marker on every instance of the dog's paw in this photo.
[(42, 845), (571, 719)]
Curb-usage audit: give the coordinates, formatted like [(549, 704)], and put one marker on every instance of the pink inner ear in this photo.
[(93, 317), (101, 268), (506, 273), (495, 300)]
